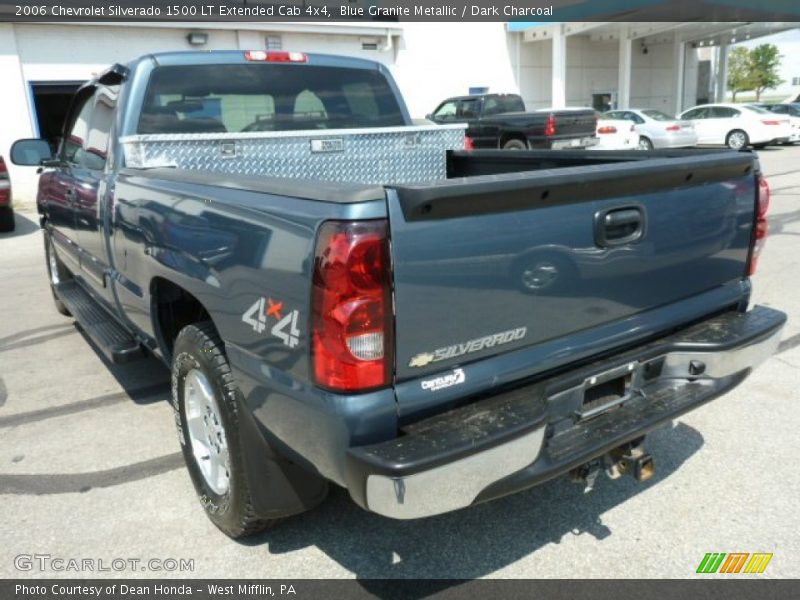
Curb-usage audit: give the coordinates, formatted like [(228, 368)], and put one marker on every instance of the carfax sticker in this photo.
[(286, 329)]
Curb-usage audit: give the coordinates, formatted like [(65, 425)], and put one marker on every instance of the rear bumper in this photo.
[(511, 441), (573, 143)]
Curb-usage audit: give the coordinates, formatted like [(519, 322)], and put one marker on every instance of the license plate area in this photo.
[(596, 395), (601, 396)]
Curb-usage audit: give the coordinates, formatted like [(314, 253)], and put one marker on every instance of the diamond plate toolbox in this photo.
[(396, 155)]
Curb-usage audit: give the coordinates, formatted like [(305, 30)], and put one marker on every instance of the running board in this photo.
[(110, 337)]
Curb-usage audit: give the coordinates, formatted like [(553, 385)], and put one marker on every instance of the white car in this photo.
[(657, 129), (792, 111), (737, 125), (615, 134)]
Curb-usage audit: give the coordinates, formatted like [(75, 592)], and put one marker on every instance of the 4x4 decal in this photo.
[(286, 329)]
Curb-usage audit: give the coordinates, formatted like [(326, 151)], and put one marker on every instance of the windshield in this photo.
[(657, 115), (266, 97)]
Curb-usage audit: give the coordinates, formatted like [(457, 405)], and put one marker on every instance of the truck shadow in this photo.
[(23, 225), (474, 542)]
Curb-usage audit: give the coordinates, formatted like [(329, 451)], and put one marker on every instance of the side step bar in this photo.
[(110, 337)]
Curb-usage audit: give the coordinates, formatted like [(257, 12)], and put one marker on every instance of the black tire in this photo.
[(6, 219), (198, 347), (515, 144), (56, 273), (644, 143), (733, 137)]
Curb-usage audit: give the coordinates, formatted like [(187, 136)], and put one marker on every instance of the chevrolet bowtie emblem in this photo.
[(420, 360)]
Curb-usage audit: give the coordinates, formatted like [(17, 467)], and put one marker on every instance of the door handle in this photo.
[(71, 195), (619, 226)]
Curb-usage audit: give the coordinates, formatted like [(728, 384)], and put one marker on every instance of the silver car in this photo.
[(657, 129)]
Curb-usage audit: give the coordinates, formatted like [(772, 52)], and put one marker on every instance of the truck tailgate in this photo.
[(490, 264)]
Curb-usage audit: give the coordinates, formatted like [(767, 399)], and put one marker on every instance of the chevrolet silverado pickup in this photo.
[(345, 298), (500, 121)]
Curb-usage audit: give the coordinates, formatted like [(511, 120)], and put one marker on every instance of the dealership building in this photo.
[(666, 66)]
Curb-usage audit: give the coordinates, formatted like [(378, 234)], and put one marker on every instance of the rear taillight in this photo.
[(550, 125), (5, 185), (673, 128), (607, 129), (352, 318), (761, 226), (275, 56), (468, 143), (770, 122)]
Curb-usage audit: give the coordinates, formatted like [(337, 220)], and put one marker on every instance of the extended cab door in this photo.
[(61, 193), (90, 184)]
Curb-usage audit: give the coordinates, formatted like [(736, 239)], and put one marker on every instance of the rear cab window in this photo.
[(266, 97)]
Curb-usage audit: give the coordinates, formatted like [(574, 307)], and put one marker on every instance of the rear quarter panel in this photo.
[(240, 253)]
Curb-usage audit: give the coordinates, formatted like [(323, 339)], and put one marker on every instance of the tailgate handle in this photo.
[(618, 226)]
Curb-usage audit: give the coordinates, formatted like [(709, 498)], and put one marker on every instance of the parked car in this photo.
[(792, 111), (536, 312), (6, 210), (500, 121), (657, 129), (736, 125), (616, 134)]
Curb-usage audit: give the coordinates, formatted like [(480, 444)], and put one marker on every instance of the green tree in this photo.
[(764, 64), (739, 72)]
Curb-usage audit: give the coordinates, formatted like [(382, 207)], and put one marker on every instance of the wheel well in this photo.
[(173, 309)]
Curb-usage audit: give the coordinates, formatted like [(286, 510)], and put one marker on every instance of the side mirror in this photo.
[(429, 116), (30, 153)]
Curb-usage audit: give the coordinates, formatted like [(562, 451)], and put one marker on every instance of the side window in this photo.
[(613, 115), (78, 131), (468, 109), (96, 147), (781, 109), (634, 117), (723, 112), (446, 111), (697, 113), (491, 106)]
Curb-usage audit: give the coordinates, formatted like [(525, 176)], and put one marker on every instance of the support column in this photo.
[(678, 68), (559, 62), (624, 70), (721, 82)]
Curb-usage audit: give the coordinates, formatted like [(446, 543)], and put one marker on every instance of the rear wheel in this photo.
[(6, 219), (645, 143), (737, 139), (56, 272), (515, 145), (206, 399)]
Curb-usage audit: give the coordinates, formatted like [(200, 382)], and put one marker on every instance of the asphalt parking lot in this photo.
[(90, 465)]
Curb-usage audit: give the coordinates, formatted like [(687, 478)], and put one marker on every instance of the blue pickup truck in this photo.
[(343, 297)]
